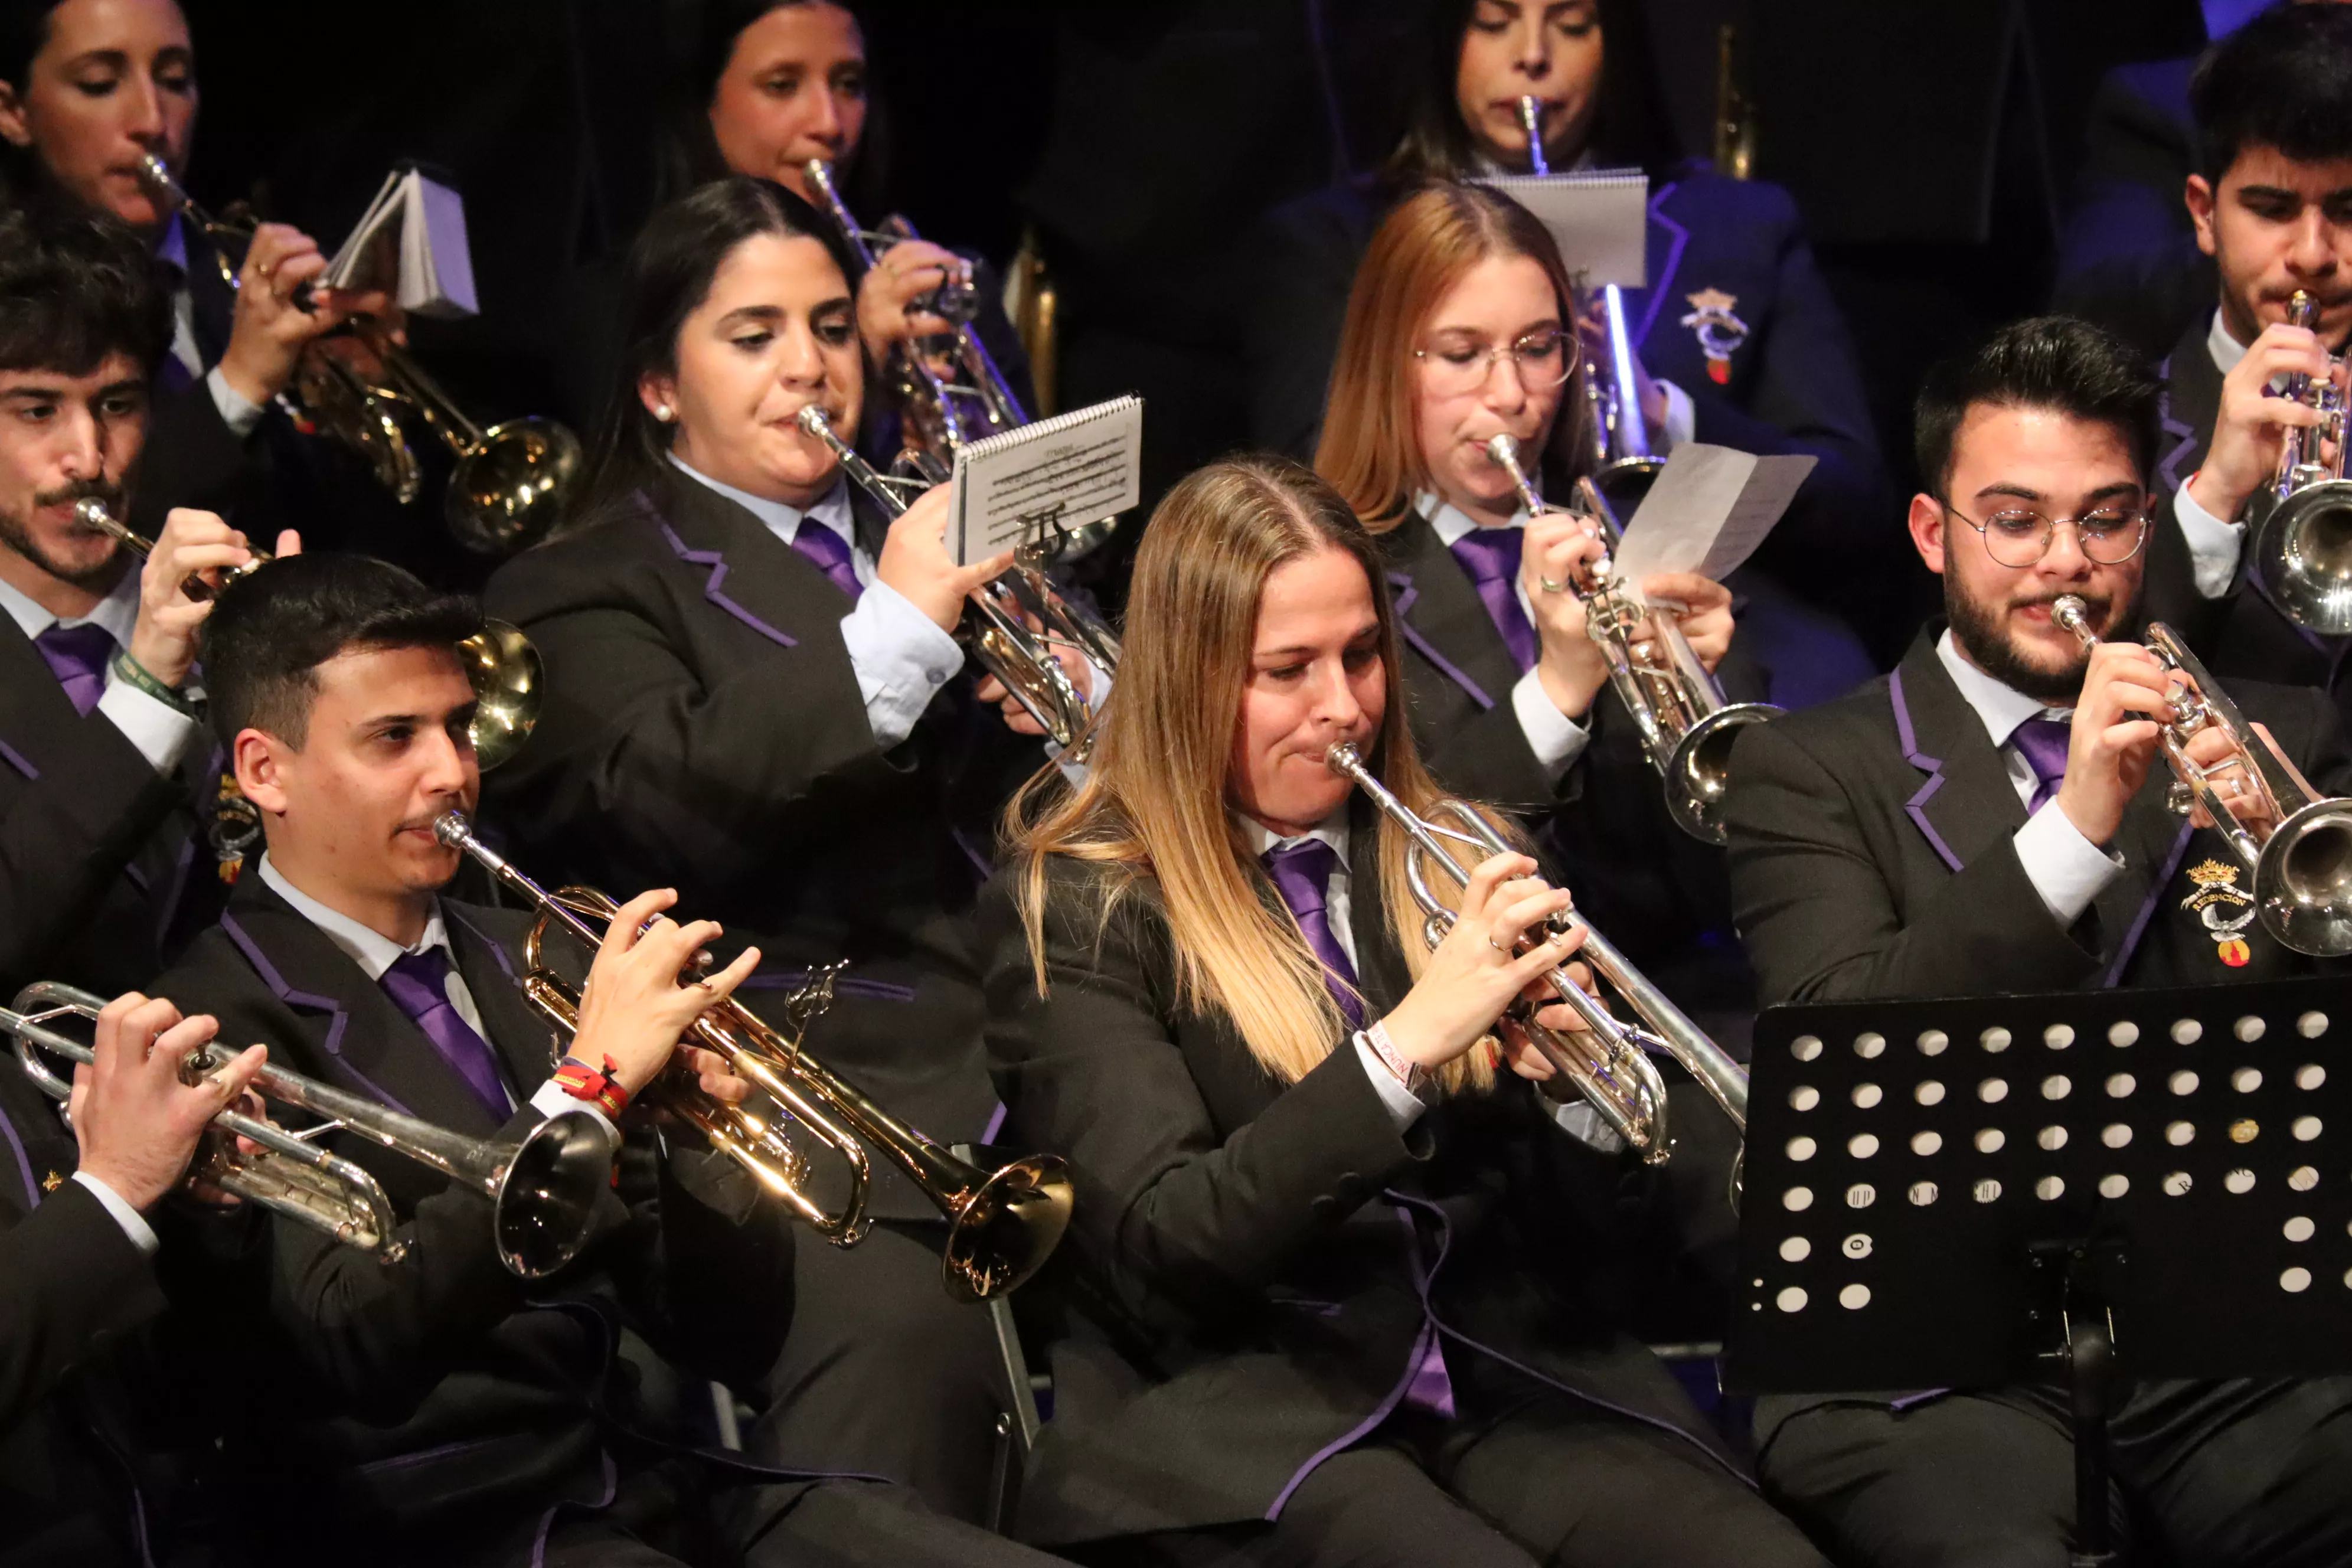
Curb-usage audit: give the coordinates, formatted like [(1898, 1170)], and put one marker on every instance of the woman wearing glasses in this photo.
[(1737, 342)]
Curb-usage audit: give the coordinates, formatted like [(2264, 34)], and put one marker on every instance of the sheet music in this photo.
[(410, 242), (1079, 467), (1599, 217), (1708, 511)]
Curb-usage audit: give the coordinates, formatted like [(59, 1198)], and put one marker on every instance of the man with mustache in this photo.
[(2273, 206), (1991, 817), (105, 787)]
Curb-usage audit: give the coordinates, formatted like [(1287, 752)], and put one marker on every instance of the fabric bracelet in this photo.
[(130, 671), (581, 1082)]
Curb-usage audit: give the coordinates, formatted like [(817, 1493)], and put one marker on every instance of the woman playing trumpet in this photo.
[(1336, 1269)]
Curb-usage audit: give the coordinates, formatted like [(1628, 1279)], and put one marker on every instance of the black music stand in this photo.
[(2074, 1188)]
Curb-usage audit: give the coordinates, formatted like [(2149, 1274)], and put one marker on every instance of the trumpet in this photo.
[(543, 1189), (511, 480), (504, 669), (1687, 724), (2297, 843), (1607, 1060), (997, 623), (944, 413), (2302, 522), (1001, 1225)]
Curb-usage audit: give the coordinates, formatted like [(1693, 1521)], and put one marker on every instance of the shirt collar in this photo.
[(373, 951), (784, 521), (1332, 830), (1451, 522), (2003, 708), (118, 612), (2226, 350)]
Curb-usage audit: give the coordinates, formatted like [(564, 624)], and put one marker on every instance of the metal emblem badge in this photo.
[(1719, 333), (2223, 909)]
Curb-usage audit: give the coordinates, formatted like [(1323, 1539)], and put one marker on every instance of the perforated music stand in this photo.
[(2065, 1188)]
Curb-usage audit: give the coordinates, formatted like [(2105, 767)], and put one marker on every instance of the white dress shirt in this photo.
[(160, 732), (1404, 1107), (2067, 869), (375, 953), (134, 1224), (899, 654), (1556, 739), (2214, 543), (240, 415)]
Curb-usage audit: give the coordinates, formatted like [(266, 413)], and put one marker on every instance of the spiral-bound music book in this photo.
[(1599, 217), (1074, 468), (411, 241)]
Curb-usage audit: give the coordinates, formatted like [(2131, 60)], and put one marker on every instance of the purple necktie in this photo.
[(831, 554), (1301, 873), (1491, 556), (418, 984), (77, 655), (2043, 743)]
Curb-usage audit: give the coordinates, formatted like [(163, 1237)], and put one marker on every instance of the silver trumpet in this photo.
[(543, 1189), (1608, 1060), (93, 515), (511, 480), (2297, 843), (2302, 522), (1687, 724), (996, 622), (1531, 116)]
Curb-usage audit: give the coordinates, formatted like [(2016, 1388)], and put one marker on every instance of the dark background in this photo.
[(1930, 144)]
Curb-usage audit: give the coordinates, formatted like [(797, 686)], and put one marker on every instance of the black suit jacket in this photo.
[(1871, 856), (440, 1403), (704, 731), (191, 457), (1795, 385), (1240, 1270), (103, 870), (2127, 259)]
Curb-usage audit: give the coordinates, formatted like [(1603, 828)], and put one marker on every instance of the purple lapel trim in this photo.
[(847, 985), (287, 993), (2184, 438), (547, 1519), (710, 589), (1916, 806), (1677, 241), (2148, 911), (1406, 595), (980, 862), (995, 1123), (24, 1163), (16, 760)]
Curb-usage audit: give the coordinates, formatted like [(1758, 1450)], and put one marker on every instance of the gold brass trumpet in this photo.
[(996, 622), (543, 1189), (503, 668), (2302, 522), (1001, 1225), (1607, 1060), (511, 480), (2297, 843), (1687, 724)]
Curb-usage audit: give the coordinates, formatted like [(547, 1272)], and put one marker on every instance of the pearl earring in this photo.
[(665, 413)]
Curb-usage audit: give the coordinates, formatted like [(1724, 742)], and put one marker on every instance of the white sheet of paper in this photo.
[(411, 241), (1087, 462), (1599, 217), (1708, 511)]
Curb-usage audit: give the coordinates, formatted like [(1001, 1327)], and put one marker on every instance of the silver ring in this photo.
[(1498, 947), (1548, 587)]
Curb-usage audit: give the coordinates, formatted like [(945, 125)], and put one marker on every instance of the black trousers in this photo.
[(1553, 1482), (883, 1373), (2204, 1475)]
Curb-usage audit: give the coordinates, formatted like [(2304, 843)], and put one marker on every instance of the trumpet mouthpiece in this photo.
[(813, 422), (1341, 757), (1503, 450), (90, 512), (159, 177), (2072, 613), (452, 830)]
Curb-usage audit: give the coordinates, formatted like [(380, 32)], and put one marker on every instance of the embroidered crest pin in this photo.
[(52, 1182), (236, 827), (2224, 910), (1719, 333)]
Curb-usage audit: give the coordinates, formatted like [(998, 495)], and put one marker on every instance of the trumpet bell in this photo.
[(2306, 554), (2303, 880), (1700, 771), (509, 487), (1007, 1228), (544, 1195), (508, 683)]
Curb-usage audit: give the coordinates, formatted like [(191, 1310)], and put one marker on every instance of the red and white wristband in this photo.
[(1376, 1040)]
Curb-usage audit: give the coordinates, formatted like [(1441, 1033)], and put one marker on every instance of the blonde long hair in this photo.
[(1428, 244), (1154, 803)]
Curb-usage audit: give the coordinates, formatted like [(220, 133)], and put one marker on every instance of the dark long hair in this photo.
[(670, 267), (688, 155), (1631, 129)]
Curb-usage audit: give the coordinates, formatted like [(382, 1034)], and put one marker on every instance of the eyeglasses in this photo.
[(2016, 537), (1454, 369)]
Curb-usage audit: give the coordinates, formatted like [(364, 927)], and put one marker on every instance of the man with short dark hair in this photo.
[(105, 791), (1991, 817), (2273, 206)]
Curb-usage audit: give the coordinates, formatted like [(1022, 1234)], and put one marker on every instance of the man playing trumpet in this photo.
[(1992, 817)]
